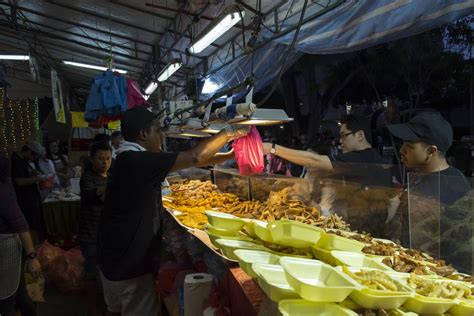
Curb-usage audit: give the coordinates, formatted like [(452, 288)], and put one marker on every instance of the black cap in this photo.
[(429, 127), (136, 119)]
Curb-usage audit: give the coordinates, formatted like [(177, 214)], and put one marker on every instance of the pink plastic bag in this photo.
[(249, 153)]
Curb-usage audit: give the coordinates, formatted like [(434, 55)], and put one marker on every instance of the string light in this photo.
[(37, 125), (4, 121), (20, 109), (19, 119), (12, 123), (28, 120)]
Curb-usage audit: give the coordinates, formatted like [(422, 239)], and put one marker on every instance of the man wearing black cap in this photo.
[(427, 218), (426, 139), (130, 229)]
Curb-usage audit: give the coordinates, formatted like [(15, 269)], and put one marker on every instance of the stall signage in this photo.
[(58, 101)]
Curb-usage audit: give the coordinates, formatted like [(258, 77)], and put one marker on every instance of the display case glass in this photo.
[(258, 187), (440, 217)]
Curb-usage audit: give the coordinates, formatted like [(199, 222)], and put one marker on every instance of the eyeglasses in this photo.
[(342, 136)]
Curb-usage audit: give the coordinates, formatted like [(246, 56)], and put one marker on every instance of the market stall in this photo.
[(304, 261)]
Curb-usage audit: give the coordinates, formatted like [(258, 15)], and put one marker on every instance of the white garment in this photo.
[(130, 146), (47, 167)]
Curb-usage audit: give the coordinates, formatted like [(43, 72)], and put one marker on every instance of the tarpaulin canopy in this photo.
[(350, 26)]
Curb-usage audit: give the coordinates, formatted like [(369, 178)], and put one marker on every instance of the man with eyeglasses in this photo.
[(341, 179), (354, 141)]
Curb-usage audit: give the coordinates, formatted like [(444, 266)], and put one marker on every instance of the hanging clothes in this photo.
[(134, 96), (107, 96)]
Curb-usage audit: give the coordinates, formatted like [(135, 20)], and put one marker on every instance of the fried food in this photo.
[(417, 262), (279, 205), (193, 217), (373, 279), (381, 249), (362, 237), (439, 289), (461, 277), (289, 250)]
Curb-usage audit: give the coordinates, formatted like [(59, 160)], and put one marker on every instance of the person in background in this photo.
[(14, 235), (303, 141), (60, 161), (131, 223), (267, 136), (93, 185), (25, 181), (98, 138), (117, 139), (46, 167), (101, 137)]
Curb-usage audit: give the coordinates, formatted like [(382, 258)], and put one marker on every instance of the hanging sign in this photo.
[(58, 102), (78, 120)]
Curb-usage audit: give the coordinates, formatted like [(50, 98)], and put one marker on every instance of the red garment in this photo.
[(134, 96), (103, 120)]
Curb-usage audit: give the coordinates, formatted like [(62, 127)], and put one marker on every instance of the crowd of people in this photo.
[(121, 220)]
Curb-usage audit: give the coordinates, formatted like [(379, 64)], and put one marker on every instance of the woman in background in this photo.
[(60, 161)]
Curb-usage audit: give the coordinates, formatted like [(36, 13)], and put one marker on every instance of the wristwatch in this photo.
[(32, 255), (273, 150)]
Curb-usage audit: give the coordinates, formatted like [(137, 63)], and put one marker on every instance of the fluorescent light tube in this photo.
[(15, 57), (170, 69), (72, 63), (151, 88), (229, 17)]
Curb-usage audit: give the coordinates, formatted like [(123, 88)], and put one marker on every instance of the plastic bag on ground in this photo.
[(62, 268), (249, 153)]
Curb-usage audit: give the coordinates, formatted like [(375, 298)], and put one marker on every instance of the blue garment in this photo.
[(107, 96)]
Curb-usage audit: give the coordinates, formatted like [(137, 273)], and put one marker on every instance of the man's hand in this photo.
[(267, 147), (34, 267), (237, 131)]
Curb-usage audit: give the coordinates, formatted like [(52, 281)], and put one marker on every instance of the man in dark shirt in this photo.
[(346, 175), (433, 185), (354, 141), (130, 229), (25, 181), (93, 184), (426, 139)]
